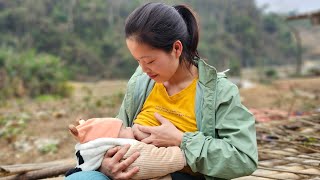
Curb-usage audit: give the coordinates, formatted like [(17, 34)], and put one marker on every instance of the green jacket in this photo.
[(225, 146)]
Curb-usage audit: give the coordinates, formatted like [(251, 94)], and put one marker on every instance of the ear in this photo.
[(177, 49), (73, 130)]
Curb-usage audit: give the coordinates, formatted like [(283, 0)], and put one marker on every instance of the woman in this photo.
[(179, 100)]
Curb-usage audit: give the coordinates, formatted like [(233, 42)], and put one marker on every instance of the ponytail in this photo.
[(193, 29)]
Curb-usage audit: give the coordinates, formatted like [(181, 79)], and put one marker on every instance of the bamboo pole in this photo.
[(42, 173), (22, 168), (289, 171)]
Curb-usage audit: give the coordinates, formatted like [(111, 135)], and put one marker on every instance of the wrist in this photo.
[(179, 138)]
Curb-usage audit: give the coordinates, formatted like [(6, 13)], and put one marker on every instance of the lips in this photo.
[(152, 76)]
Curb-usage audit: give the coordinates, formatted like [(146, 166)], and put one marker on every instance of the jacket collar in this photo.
[(207, 73)]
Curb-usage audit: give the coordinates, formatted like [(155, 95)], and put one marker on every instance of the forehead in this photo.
[(141, 50), (135, 45)]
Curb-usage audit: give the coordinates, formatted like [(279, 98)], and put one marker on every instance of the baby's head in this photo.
[(100, 128)]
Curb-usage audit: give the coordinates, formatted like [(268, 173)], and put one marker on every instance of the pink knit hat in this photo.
[(99, 128)]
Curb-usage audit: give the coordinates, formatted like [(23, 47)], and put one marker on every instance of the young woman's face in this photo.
[(157, 64)]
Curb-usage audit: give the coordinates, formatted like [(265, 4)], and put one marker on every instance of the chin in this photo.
[(159, 80)]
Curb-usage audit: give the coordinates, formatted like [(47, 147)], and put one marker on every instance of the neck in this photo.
[(182, 77)]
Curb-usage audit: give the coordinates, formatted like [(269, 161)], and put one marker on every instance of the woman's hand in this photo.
[(139, 135), (112, 167), (164, 135)]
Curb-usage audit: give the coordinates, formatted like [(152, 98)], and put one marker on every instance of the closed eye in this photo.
[(150, 62)]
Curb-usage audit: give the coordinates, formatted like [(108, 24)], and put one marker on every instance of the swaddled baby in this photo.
[(97, 135)]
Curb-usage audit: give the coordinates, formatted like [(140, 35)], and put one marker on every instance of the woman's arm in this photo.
[(233, 151), (221, 157)]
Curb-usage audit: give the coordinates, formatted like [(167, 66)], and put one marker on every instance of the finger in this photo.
[(126, 163), (139, 135), (81, 121), (78, 118), (111, 152), (137, 125), (119, 155), (73, 130), (146, 129), (129, 174), (147, 140), (161, 119)]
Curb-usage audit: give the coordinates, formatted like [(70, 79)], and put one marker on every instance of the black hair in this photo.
[(160, 25)]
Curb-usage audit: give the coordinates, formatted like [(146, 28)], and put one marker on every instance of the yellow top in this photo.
[(178, 108)]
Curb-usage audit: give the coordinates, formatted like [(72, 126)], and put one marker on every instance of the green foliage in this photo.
[(33, 74), (271, 23), (271, 73), (11, 126), (88, 37), (105, 101), (314, 71), (46, 98), (235, 68), (49, 148)]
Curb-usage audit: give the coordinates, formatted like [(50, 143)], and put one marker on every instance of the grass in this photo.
[(47, 97)]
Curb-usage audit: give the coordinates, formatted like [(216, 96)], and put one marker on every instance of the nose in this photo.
[(144, 68)]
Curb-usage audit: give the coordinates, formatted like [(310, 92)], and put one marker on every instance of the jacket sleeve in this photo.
[(129, 106), (233, 153), (122, 114), (127, 101)]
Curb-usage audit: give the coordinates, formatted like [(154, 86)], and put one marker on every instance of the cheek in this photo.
[(166, 66), (166, 62), (172, 65)]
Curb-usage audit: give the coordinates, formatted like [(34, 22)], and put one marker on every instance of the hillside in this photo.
[(88, 36)]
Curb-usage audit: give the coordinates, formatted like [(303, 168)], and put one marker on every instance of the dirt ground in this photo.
[(36, 130), (301, 95)]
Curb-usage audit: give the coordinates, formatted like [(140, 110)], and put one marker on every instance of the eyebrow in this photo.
[(145, 57)]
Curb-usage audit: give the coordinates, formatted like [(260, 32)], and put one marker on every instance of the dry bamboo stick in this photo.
[(308, 148), (315, 125), (294, 143), (42, 173), (302, 161), (21, 168), (298, 133), (314, 155), (282, 156), (289, 171), (266, 177)]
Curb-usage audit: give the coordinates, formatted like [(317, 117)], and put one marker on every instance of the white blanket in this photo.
[(92, 152)]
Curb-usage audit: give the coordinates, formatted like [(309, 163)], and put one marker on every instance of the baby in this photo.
[(97, 135)]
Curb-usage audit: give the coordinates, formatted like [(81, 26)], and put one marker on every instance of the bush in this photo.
[(271, 73), (34, 75), (314, 71)]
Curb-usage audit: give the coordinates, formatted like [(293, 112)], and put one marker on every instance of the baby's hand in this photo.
[(139, 135)]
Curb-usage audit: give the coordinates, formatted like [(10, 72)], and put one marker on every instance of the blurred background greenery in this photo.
[(44, 43)]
